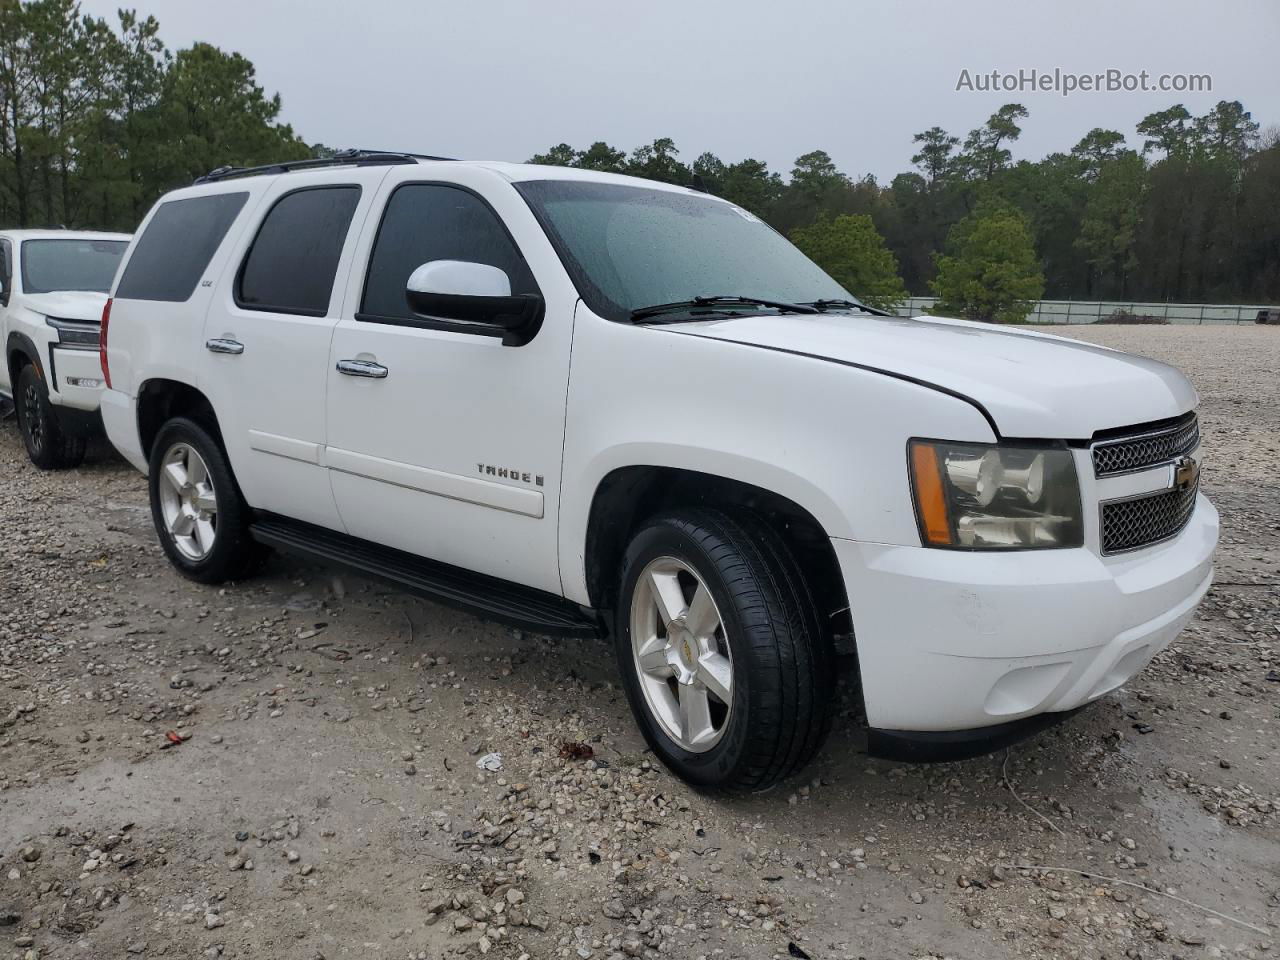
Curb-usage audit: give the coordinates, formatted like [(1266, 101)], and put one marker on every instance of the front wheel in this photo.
[(724, 662), (199, 514), (47, 446)]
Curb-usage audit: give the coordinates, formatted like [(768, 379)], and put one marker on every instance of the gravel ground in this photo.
[(287, 768)]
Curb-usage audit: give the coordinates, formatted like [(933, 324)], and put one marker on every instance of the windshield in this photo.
[(631, 247), (53, 265)]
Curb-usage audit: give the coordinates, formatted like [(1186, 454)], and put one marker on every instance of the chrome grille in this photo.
[(1146, 449), (1137, 522)]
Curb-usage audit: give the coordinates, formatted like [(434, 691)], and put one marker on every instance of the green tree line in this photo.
[(98, 118), (1190, 212)]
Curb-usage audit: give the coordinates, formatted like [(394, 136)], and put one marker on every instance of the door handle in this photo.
[(232, 347), (362, 368)]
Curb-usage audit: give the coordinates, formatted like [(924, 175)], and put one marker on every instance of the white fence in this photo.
[(1091, 311)]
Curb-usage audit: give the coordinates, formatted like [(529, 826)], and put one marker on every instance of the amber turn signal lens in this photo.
[(931, 500)]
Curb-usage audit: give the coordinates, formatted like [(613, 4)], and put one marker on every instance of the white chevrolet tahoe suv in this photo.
[(53, 284), (588, 404)]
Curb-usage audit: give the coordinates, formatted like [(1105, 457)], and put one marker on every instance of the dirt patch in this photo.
[(287, 768)]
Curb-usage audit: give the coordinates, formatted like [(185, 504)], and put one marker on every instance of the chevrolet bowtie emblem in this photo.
[(1186, 472)]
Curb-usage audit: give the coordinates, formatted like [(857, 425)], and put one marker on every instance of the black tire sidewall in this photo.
[(717, 766), (25, 382), (58, 451), (232, 550)]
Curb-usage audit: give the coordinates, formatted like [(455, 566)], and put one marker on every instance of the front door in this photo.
[(442, 441)]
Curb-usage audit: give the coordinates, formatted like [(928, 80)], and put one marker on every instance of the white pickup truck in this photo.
[(53, 284), (590, 404)]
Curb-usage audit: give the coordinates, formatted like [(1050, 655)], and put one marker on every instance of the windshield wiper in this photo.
[(643, 313), (824, 305)]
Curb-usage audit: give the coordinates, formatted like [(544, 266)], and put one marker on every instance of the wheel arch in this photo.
[(160, 400), (19, 351), (628, 496)]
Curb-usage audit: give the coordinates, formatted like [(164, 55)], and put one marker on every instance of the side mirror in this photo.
[(477, 293)]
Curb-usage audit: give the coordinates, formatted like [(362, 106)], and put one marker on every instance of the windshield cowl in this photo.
[(731, 304)]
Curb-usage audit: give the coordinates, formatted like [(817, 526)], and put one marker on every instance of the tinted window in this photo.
[(426, 222), (630, 247), (6, 271), (177, 246), (291, 265), (49, 265)]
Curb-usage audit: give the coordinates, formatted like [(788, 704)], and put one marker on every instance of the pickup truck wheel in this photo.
[(47, 446), (199, 514), (721, 652)]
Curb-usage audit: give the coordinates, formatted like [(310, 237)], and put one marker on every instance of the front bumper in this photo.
[(954, 640), (937, 746), (76, 378)]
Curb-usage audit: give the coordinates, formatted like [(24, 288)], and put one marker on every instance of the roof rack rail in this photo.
[(341, 158)]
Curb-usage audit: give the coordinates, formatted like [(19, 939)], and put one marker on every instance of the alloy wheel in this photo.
[(188, 501), (682, 655)]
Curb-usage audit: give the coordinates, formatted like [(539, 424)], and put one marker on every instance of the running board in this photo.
[(487, 597)]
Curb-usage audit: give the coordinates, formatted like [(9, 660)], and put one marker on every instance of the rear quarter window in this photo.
[(176, 247)]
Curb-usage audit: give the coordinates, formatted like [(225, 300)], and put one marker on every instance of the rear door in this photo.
[(267, 334)]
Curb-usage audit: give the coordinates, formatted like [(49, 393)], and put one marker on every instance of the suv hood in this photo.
[(1031, 384), (68, 304)]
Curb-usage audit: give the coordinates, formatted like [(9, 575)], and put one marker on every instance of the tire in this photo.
[(199, 513), (47, 445), (780, 664)]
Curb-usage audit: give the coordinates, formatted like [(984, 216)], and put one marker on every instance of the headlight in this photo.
[(980, 496), (75, 333)]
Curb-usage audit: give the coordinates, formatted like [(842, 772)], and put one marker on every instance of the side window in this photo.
[(177, 246), (291, 264), (6, 272), (425, 222)]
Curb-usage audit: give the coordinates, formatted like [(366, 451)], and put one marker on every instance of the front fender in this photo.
[(829, 437)]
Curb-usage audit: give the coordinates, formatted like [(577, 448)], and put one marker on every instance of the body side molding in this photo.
[(485, 493), (287, 447)]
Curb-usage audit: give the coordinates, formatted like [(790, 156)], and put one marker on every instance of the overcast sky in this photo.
[(502, 79)]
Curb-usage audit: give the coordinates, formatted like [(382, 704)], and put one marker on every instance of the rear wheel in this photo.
[(721, 652), (199, 514), (47, 446)]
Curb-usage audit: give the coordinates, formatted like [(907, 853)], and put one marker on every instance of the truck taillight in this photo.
[(102, 343)]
